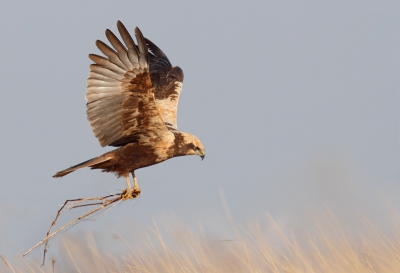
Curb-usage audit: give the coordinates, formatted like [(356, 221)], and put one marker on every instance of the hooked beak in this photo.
[(202, 154)]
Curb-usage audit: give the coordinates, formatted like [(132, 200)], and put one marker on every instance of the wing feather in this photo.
[(96, 76), (99, 83), (121, 51), (107, 102), (107, 64), (103, 89), (133, 53), (110, 112), (115, 42), (111, 54), (121, 105), (169, 87), (99, 69), (143, 55)]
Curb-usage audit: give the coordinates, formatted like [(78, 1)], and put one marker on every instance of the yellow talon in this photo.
[(127, 194), (130, 192)]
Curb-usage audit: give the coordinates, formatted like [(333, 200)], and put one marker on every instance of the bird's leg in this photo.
[(136, 188), (127, 193)]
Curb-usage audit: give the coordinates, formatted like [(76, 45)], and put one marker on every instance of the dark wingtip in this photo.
[(156, 50)]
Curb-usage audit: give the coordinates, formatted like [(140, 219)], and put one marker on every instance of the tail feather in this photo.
[(88, 163)]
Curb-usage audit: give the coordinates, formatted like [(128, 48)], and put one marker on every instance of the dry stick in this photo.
[(105, 204), (72, 206)]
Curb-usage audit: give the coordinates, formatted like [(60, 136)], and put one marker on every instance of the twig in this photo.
[(103, 204), (45, 240), (76, 203)]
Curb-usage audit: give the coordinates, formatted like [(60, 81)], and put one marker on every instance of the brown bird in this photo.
[(132, 99)]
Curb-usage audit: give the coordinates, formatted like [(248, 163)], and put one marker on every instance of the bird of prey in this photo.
[(132, 99)]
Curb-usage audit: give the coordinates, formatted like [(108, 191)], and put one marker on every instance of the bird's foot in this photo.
[(130, 193), (127, 194)]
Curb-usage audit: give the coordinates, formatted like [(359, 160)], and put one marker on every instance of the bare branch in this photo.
[(77, 203)]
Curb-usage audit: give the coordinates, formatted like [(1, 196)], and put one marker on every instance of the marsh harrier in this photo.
[(132, 99)]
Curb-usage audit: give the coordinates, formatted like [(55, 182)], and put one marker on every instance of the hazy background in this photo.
[(296, 103)]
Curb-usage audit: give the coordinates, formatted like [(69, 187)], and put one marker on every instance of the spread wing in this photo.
[(169, 87), (121, 106)]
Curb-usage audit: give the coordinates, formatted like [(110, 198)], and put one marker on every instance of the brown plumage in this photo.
[(132, 99)]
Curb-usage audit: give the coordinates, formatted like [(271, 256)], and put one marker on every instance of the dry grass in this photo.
[(329, 249)]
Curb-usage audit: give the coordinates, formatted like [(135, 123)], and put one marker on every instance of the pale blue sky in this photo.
[(296, 103)]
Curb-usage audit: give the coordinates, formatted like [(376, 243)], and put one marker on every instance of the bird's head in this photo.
[(188, 144)]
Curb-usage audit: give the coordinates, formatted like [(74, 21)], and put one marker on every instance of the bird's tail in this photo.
[(88, 163)]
